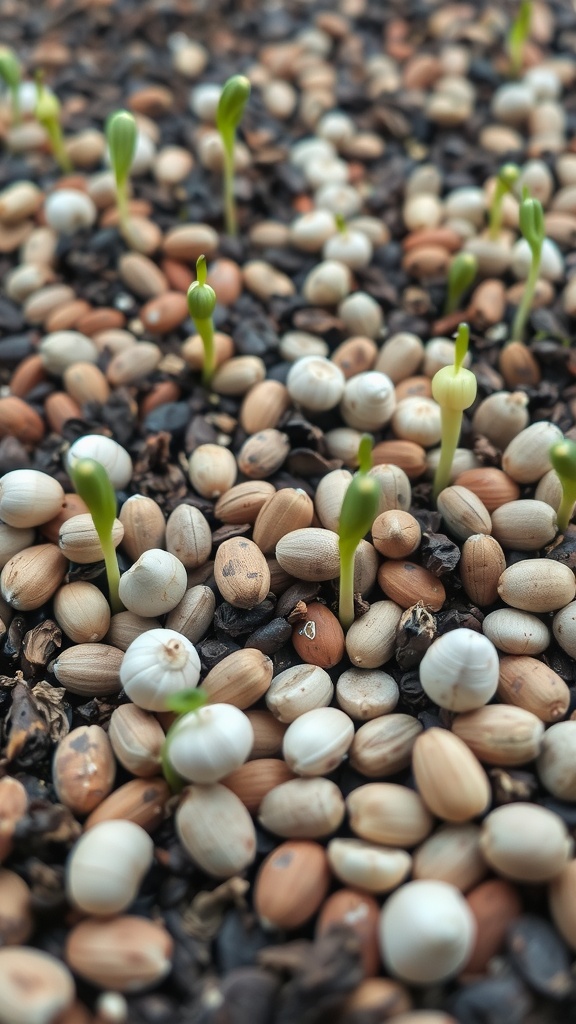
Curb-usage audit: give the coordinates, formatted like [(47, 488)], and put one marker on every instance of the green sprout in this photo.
[(359, 510), (231, 106), (531, 218), (505, 180), (454, 388), (341, 225), (121, 134), (461, 277), (47, 114), (563, 459), (201, 303), (184, 704), (11, 72), (518, 35), (92, 483)]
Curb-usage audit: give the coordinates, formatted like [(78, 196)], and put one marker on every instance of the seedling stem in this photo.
[(563, 459), (92, 483), (231, 106), (358, 512), (201, 304), (454, 388)]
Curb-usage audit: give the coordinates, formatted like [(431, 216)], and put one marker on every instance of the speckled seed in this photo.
[(537, 585), (83, 769), (291, 884), (525, 843), (241, 572), (564, 627), (532, 685), (500, 735), (524, 525), (263, 453)]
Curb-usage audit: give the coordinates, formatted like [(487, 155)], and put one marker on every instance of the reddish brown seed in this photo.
[(408, 455), (105, 318), (160, 394), (59, 408), (66, 317), (361, 913), (494, 904), (164, 313), (319, 640), (407, 583), (291, 884), (178, 275), (254, 779), (20, 420), (142, 801), (27, 375), (491, 485), (72, 505), (518, 366)]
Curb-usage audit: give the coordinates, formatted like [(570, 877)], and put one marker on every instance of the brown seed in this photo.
[(83, 769), (20, 420), (396, 534), (383, 746), (33, 576), (406, 583), (320, 639), (291, 884), (35, 985), (518, 366), (263, 406), (164, 313), (254, 779), (491, 485), (82, 611), (286, 510), (241, 573), (361, 913), (89, 669), (16, 920), (355, 355), (242, 503), (73, 505), (27, 375), (413, 387), (160, 393), (268, 734), (142, 801), (426, 261), (122, 954), (371, 639), (407, 455), (487, 305), (133, 364), (13, 807), (241, 678), (189, 241), (178, 275), (141, 275), (193, 350), (494, 904), (482, 563), (105, 318), (66, 316), (263, 454), (225, 277), (85, 382), (530, 684), (59, 408), (450, 779)]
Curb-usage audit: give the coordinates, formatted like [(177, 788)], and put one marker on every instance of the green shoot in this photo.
[(505, 180), (359, 510), (185, 703), (531, 219), (454, 388), (121, 135), (517, 37), (11, 72), (92, 483), (461, 276), (563, 459), (231, 108), (201, 303), (341, 225), (47, 114)]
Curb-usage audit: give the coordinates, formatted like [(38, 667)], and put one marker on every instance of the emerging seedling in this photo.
[(563, 459), (461, 277), (517, 37), (231, 106), (121, 135), (505, 180), (531, 218), (47, 114), (358, 512), (454, 388), (182, 703), (92, 483), (11, 73), (201, 304)]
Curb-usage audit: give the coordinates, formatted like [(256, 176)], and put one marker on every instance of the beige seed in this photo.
[(286, 510), (525, 843), (121, 954), (263, 454), (383, 746), (482, 564), (83, 769), (82, 611), (500, 735), (449, 778), (537, 585), (144, 526), (383, 812), (303, 809), (463, 512), (32, 576), (371, 639), (241, 678), (89, 669), (216, 830), (524, 525), (35, 986), (451, 855), (529, 684), (212, 470), (241, 572)]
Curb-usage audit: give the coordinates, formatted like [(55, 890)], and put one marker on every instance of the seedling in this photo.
[(47, 113), (201, 304), (341, 224), (563, 459), (461, 277), (231, 108), (121, 135), (505, 180), (358, 512), (92, 483), (517, 37), (11, 72), (183, 703), (531, 218), (454, 388)]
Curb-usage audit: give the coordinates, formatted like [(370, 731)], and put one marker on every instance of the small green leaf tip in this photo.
[(48, 108), (201, 297), (10, 69), (563, 458), (233, 99), (121, 135), (531, 220), (186, 701), (360, 503), (508, 175), (92, 483), (461, 276)]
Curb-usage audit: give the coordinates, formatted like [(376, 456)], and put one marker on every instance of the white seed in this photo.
[(366, 866), (564, 628), (154, 585), (427, 932), (418, 419), (310, 231), (329, 497), (317, 741), (368, 401), (207, 744), (296, 344), (526, 458), (525, 842), (107, 865), (108, 452), (63, 349), (400, 356), (351, 247), (551, 265), (459, 671), (315, 383), (298, 690), (328, 283), (501, 416), (339, 198), (29, 498), (362, 315), (67, 210), (557, 760), (158, 664)]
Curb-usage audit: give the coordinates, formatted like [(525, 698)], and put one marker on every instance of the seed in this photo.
[(189, 241), (262, 454), (154, 585), (395, 533), (121, 954), (83, 769), (193, 615), (418, 420), (84, 382), (500, 735), (482, 564), (142, 801), (144, 525), (537, 585), (35, 986), (449, 778), (212, 470), (371, 639), (387, 998), (133, 364), (359, 913), (525, 843), (406, 583), (16, 921), (525, 525), (79, 541), (515, 632), (216, 830), (400, 356), (286, 510), (13, 807), (366, 694), (383, 746), (355, 355), (13, 540), (302, 808), (241, 678), (389, 814), (463, 512), (315, 383), (556, 761), (395, 490), (452, 854), (526, 457), (297, 690), (253, 780), (263, 406), (32, 576), (368, 401), (29, 498), (241, 573), (20, 420), (164, 313), (320, 639), (501, 416), (407, 455), (188, 536), (62, 349), (106, 867), (562, 903), (125, 627), (291, 884), (530, 684), (242, 503), (238, 375), (459, 671), (317, 741)]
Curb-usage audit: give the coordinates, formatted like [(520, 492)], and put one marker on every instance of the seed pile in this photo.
[(222, 803)]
